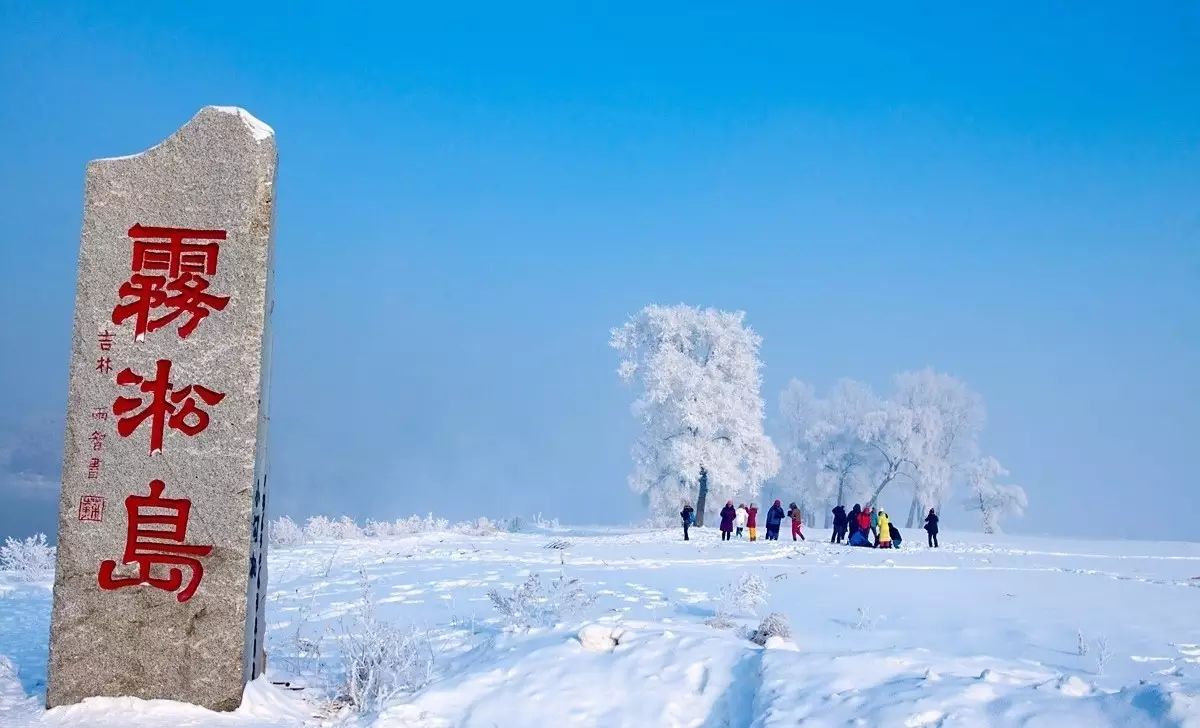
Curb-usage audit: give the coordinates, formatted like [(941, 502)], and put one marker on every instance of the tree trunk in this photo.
[(875, 496), (912, 512), (703, 497)]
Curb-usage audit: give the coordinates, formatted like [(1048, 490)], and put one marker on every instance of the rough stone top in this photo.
[(258, 129)]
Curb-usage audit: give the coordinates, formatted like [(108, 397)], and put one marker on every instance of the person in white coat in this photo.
[(739, 519)]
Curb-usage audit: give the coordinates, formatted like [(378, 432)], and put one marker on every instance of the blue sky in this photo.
[(471, 196)]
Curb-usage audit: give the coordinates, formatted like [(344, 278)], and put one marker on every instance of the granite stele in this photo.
[(161, 569)]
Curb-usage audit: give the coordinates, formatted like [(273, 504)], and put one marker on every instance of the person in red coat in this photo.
[(797, 521), (728, 513), (864, 521), (752, 521)]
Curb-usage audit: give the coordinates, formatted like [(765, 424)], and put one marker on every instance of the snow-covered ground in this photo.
[(982, 632)]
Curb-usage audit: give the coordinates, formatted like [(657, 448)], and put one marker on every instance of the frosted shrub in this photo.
[(283, 531), (321, 528), (866, 621), (318, 527), (1103, 654), (772, 625), (1081, 647), (746, 595), (531, 604), (382, 660), (482, 526), (346, 528), (380, 529), (31, 559), (547, 525)]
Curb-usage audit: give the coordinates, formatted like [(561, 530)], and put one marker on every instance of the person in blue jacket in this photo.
[(774, 518)]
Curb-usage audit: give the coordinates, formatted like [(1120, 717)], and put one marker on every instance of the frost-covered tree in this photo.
[(993, 500), (699, 404), (954, 445), (823, 457)]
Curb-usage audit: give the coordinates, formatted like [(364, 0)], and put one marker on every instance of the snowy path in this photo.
[(981, 632)]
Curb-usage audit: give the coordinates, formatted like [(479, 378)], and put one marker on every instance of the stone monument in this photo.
[(161, 572)]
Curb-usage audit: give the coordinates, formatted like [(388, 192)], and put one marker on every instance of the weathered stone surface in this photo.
[(119, 630)]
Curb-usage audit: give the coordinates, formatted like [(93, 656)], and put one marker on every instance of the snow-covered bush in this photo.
[(602, 637), (866, 621), (482, 526), (31, 559), (382, 660), (1081, 645), (546, 525), (746, 595), (322, 528), (283, 531), (380, 529), (531, 604), (774, 624), (1103, 654)]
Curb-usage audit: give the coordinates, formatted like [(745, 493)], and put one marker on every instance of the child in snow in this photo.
[(895, 533), (774, 518), (739, 520), (931, 527), (797, 521), (752, 521), (883, 539), (688, 514), (728, 513)]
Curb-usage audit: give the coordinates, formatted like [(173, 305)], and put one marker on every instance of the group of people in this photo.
[(742, 520), (868, 527), (873, 528)]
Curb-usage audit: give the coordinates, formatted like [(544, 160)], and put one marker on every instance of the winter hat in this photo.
[(728, 503), (777, 502)]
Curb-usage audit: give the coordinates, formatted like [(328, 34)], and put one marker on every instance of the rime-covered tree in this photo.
[(699, 404), (954, 446), (823, 457), (898, 444), (993, 500)]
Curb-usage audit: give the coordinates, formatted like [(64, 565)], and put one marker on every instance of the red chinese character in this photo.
[(99, 414), (168, 407), (104, 364), (91, 508), (93, 468), (105, 339), (181, 290), (97, 439), (157, 546)]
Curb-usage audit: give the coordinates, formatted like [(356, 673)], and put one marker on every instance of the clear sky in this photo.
[(471, 196)]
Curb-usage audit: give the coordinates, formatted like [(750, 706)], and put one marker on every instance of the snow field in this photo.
[(983, 632)]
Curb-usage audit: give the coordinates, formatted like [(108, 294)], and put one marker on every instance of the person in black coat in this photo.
[(852, 521), (839, 524), (931, 527), (688, 514), (894, 532)]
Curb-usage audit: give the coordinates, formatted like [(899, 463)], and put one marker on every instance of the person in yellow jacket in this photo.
[(884, 541)]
